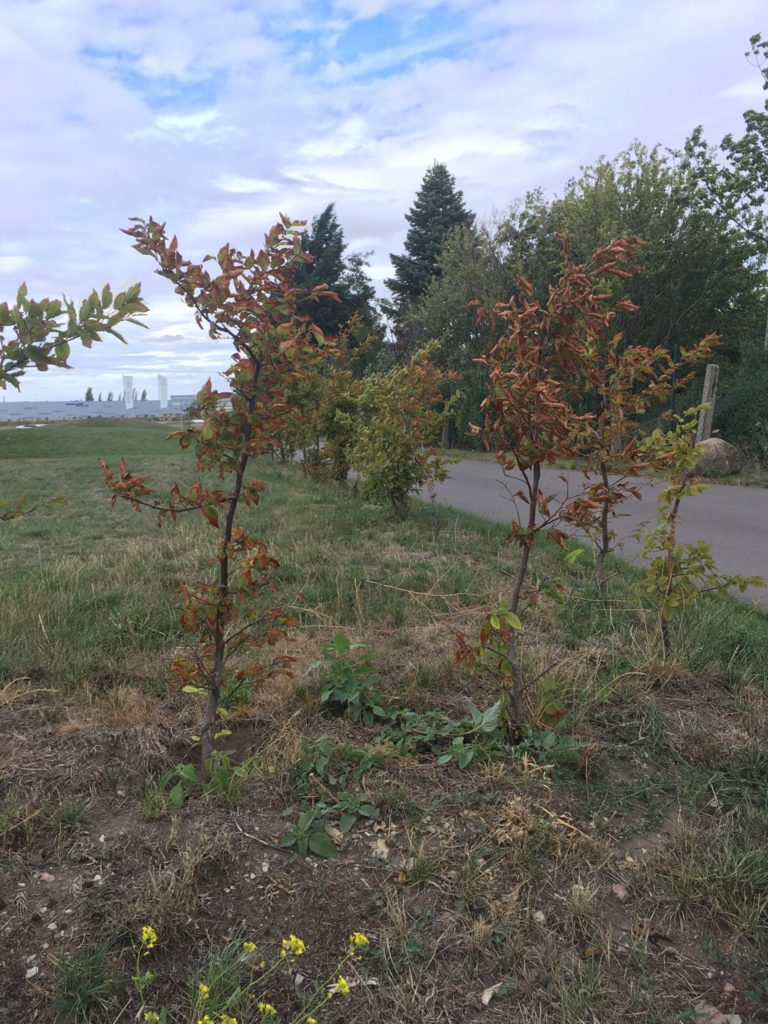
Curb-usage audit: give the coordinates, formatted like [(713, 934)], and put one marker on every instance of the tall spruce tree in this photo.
[(344, 274), (437, 210)]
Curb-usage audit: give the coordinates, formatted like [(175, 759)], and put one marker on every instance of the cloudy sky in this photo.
[(213, 116)]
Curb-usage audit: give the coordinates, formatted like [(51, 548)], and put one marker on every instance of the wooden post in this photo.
[(709, 395)]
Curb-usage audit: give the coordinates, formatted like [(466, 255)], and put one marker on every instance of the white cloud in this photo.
[(244, 186), (750, 90), (199, 126), (14, 264)]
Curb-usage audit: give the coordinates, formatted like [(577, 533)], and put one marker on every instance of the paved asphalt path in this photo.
[(733, 519)]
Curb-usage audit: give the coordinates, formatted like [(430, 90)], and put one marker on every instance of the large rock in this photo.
[(718, 457)]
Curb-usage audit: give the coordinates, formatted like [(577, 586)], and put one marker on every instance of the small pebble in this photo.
[(32, 972)]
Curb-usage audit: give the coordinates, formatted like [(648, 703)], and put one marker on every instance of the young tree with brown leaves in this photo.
[(250, 303), (538, 371)]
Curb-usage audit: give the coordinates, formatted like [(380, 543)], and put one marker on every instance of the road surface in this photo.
[(734, 520)]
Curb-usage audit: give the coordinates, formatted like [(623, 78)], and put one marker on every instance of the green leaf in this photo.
[(466, 756), (305, 820), (187, 772), (347, 821), (490, 719), (341, 642), (320, 844), (176, 796)]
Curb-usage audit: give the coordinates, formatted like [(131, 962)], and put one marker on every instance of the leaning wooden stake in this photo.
[(704, 430)]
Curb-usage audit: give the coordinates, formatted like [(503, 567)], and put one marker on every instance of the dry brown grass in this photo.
[(177, 885)]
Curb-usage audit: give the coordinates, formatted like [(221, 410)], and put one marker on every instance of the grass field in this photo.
[(617, 871)]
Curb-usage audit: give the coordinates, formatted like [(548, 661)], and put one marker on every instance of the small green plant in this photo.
[(159, 795), (677, 574), (222, 780), (227, 781), (335, 764), (231, 987), (351, 806), (85, 984), (349, 684), (71, 814), (308, 833), (321, 779)]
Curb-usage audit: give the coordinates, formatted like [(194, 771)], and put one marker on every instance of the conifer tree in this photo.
[(344, 274), (436, 211)]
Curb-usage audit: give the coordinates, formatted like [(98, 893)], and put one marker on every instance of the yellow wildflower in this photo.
[(203, 990), (226, 1019), (293, 945), (268, 1010), (148, 939), (249, 947), (311, 1020), (342, 986), (205, 1019), (150, 1017), (357, 939)]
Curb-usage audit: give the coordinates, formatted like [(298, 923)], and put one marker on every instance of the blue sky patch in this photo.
[(160, 92)]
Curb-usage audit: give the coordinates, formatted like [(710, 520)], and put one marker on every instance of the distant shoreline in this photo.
[(18, 413)]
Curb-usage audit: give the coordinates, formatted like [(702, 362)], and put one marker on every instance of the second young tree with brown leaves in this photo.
[(538, 373)]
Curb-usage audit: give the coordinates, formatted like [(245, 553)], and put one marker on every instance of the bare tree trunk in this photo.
[(664, 633), (216, 679), (514, 654), (604, 542)]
